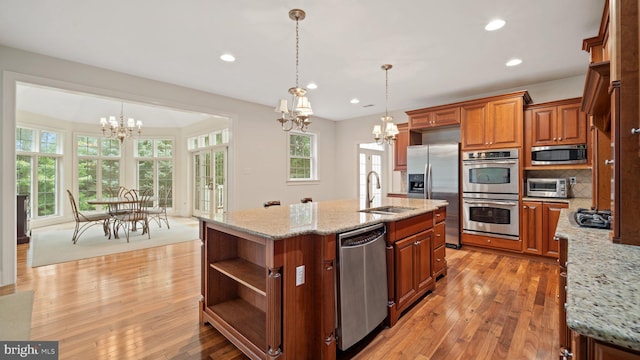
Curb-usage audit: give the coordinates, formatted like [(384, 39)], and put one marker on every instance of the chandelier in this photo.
[(390, 129), (298, 115), (118, 130)]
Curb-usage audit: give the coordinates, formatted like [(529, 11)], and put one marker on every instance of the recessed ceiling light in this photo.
[(354, 101), (227, 58), (514, 62), (494, 25), (312, 86)]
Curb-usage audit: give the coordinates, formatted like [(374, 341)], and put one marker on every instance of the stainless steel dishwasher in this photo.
[(361, 289)]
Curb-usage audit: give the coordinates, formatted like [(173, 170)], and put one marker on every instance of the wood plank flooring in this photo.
[(144, 305)]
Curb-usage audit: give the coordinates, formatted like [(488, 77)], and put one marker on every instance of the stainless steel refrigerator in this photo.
[(433, 173)]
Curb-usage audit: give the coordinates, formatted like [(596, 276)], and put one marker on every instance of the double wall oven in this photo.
[(490, 193)]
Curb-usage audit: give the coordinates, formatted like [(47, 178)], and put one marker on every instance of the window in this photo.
[(98, 168), (154, 159), (219, 137), (38, 153), (302, 156)]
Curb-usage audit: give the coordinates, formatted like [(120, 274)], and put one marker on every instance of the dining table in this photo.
[(116, 206)]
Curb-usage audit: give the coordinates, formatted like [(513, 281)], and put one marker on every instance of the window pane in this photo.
[(145, 174), (46, 186), (110, 175), (87, 145), (165, 148), (165, 176), (24, 139), (23, 174), (300, 168), (110, 147), (145, 148), (87, 177), (48, 142), (219, 179)]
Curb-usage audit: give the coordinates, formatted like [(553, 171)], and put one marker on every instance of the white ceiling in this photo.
[(439, 49)]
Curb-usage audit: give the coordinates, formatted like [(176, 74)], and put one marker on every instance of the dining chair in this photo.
[(159, 211), (271, 203), (136, 214), (87, 219)]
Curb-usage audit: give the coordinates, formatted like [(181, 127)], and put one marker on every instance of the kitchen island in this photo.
[(269, 274), (602, 292)]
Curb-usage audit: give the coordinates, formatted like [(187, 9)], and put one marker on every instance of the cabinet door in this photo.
[(424, 120), (551, 214), (472, 126), (424, 276), (405, 273), (543, 126), (400, 148), (532, 227), (504, 125), (446, 117), (572, 125)]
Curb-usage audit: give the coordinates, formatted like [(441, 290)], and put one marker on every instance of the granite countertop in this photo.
[(323, 218), (603, 283)]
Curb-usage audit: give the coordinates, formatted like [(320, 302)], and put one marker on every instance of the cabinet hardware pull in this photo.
[(566, 354), (635, 131), (438, 260), (416, 243), (555, 139), (608, 162), (560, 139)]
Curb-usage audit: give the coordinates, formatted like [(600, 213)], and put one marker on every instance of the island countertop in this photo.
[(603, 286), (323, 218)]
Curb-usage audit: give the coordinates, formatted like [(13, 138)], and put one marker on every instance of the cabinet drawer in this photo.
[(491, 242), (439, 259), (414, 225), (439, 234), (440, 214)]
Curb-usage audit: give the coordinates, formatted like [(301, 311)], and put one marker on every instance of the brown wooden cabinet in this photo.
[(557, 123), (611, 97), (539, 221), (532, 231), (434, 117), (495, 122), (403, 139), (439, 244), (413, 267), (411, 270)]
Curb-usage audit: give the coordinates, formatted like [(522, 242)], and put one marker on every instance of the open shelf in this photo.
[(244, 272), (245, 318)]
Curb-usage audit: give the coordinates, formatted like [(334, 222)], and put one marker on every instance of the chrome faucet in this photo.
[(369, 197)]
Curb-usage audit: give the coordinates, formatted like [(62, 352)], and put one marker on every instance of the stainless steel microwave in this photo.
[(559, 154), (553, 188)]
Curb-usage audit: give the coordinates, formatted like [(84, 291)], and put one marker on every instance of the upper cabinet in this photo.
[(434, 117), (495, 122), (558, 123), (403, 139)]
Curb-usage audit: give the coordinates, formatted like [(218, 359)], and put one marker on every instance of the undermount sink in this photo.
[(387, 210)]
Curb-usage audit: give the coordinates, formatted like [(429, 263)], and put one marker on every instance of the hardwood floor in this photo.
[(144, 305)]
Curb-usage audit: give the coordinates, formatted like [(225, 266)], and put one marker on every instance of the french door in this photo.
[(210, 181), (369, 159)]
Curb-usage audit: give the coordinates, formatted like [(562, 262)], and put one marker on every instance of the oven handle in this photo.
[(473, 162), (505, 203)]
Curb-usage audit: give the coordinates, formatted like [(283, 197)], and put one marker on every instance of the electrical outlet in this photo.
[(299, 275), (572, 180)]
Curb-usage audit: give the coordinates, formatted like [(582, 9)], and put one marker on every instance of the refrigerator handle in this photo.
[(429, 182)]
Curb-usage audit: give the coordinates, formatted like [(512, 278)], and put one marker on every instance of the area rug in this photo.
[(15, 316), (52, 246)]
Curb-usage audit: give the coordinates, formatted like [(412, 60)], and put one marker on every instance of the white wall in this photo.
[(258, 146), (351, 132)]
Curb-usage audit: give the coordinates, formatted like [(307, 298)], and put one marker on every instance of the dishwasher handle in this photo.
[(362, 239)]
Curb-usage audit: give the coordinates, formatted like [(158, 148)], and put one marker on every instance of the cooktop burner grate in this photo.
[(600, 219)]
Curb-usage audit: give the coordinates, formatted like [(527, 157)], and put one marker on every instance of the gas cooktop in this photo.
[(600, 219)]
